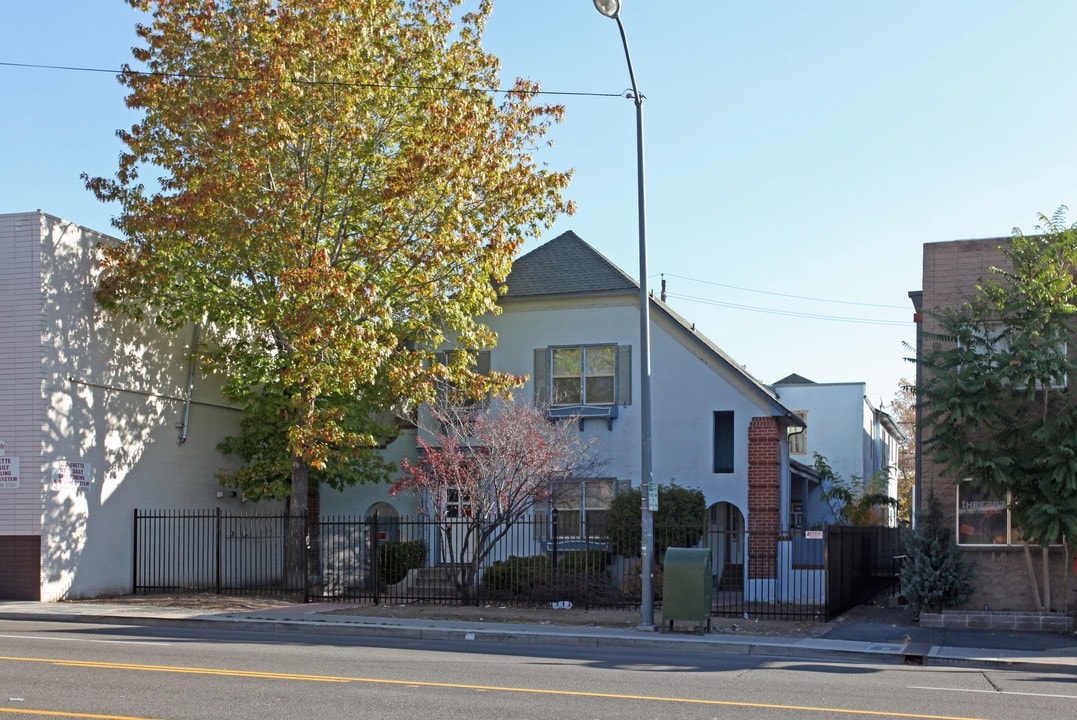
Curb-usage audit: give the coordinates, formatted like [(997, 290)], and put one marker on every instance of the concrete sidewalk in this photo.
[(877, 642)]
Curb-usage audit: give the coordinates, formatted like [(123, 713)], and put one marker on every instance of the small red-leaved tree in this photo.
[(483, 470)]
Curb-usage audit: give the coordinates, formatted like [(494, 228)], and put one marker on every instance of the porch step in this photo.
[(732, 578), (425, 581)]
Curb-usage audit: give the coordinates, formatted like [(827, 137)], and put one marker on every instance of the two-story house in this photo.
[(570, 322)]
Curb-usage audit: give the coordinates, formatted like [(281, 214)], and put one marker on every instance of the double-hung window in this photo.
[(584, 375), (583, 381)]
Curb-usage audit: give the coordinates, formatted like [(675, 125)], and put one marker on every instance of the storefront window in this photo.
[(983, 518)]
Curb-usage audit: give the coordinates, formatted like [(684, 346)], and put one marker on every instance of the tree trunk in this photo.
[(295, 562), (1032, 576), (315, 580), (1046, 579)]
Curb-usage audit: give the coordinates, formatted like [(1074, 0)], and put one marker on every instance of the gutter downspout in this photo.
[(191, 366)]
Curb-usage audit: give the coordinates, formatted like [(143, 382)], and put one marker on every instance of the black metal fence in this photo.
[(788, 576)]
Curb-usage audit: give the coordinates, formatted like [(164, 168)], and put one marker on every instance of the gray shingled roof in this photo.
[(565, 265)]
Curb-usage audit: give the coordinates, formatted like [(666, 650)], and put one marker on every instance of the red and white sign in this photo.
[(68, 473), (813, 534), (9, 471)]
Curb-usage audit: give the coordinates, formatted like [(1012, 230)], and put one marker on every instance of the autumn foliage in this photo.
[(331, 186)]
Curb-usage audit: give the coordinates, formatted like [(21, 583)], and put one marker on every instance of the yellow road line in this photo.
[(462, 686), (57, 713)]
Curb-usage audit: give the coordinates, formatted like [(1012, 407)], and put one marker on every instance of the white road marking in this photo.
[(990, 692), (85, 640)]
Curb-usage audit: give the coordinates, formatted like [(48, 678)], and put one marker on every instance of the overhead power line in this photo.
[(778, 294), (331, 83), (790, 313)]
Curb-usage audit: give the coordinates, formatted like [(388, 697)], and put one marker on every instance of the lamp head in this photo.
[(609, 8)]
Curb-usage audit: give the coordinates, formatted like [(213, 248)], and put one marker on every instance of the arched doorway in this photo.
[(725, 538), (388, 520)]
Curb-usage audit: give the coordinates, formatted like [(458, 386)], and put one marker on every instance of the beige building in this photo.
[(981, 524)]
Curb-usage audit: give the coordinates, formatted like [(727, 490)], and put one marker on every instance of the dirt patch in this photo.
[(210, 602), (546, 615), (530, 615)]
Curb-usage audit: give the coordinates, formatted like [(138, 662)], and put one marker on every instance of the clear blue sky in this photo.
[(797, 152)]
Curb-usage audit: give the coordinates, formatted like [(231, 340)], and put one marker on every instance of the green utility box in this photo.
[(687, 586)]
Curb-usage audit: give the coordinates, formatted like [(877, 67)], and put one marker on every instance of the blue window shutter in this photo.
[(482, 362), (624, 375), (540, 377)]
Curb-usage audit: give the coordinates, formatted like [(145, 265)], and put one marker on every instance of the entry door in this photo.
[(725, 538), (457, 546)]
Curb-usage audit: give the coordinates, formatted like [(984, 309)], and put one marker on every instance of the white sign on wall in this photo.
[(9, 471), (71, 474)]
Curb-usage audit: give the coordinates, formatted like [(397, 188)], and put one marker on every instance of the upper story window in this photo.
[(724, 441), (584, 381), (584, 375), (798, 436), (993, 344)]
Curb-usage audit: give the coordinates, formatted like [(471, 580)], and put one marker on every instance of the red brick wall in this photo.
[(951, 273), (764, 496)]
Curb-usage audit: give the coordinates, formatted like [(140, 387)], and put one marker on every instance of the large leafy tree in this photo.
[(334, 187), (996, 402)]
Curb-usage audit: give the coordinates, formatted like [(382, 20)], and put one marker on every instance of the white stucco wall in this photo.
[(357, 500), (836, 424), (109, 392), (686, 388)]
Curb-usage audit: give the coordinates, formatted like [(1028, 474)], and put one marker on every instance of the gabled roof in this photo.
[(565, 265), (568, 267), (794, 379)]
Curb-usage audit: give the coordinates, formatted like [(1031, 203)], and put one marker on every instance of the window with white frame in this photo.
[(983, 518), (584, 375)]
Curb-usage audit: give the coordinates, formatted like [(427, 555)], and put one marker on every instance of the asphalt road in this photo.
[(94, 671)]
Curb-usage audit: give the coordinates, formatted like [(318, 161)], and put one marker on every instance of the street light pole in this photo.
[(612, 9)]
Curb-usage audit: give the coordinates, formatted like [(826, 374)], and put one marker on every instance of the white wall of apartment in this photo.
[(110, 397), (687, 387), (22, 415), (837, 426)]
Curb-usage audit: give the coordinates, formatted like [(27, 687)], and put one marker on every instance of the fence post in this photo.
[(375, 579), (134, 566), (554, 533), (217, 553)]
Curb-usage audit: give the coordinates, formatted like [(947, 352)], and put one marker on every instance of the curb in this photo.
[(813, 648)]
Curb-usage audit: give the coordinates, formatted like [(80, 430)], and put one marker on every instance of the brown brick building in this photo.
[(982, 525)]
